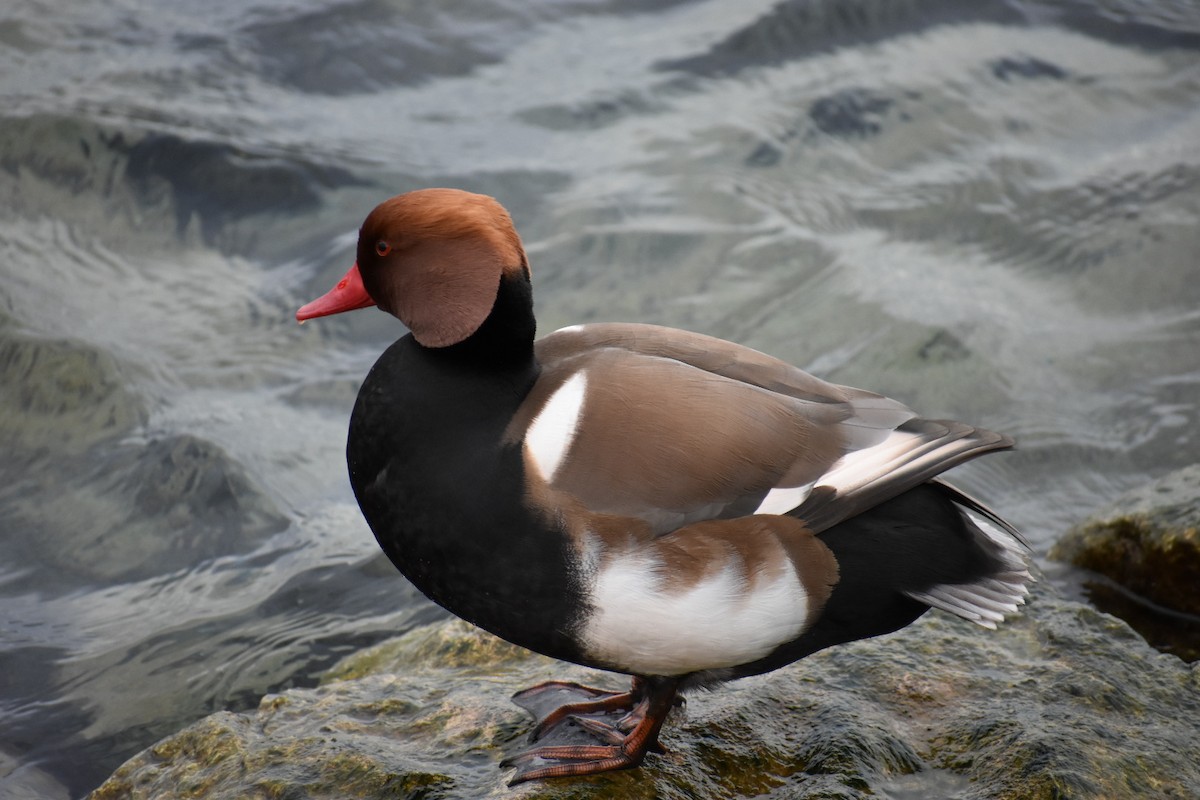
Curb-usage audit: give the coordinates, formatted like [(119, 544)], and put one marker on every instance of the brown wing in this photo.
[(706, 353), (675, 427)]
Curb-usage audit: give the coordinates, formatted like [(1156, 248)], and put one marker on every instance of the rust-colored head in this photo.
[(433, 258)]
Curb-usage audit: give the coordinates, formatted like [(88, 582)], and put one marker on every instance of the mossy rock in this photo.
[(1063, 702), (1147, 543)]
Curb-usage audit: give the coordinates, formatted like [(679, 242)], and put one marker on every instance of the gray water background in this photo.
[(988, 210)]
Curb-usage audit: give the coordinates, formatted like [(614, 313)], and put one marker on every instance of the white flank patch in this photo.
[(781, 501), (550, 435), (720, 622)]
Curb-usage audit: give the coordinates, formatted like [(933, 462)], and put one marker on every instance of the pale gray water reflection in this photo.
[(989, 210)]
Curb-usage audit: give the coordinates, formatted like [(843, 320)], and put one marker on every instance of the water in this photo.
[(989, 210)]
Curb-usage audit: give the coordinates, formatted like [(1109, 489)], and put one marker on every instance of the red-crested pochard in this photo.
[(636, 498)]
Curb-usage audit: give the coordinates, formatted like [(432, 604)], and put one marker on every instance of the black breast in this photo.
[(445, 495)]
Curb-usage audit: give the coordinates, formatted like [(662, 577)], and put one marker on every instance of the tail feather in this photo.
[(922, 549), (977, 506), (988, 600)]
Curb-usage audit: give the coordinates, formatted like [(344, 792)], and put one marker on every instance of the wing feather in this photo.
[(740, 431)]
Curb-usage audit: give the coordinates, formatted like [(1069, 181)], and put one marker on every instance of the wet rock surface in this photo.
[(1062, 702), (92, 498), (60, 395), (1145, 552), (133, 511)]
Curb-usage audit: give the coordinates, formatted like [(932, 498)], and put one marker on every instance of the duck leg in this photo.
[(654, 698), (554, 701)]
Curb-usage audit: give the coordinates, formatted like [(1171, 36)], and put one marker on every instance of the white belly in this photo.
[(720, 621)]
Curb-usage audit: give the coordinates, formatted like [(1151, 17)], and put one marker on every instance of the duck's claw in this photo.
[(586, 737), (564, 761), (552, 702)]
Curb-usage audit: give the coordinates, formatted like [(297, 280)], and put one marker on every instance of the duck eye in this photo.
[(382, 247)]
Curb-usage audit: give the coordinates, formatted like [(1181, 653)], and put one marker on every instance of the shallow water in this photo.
[(989, 210)]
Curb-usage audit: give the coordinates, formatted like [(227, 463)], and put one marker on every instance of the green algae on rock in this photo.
[(1062, 702), (1147, 543)]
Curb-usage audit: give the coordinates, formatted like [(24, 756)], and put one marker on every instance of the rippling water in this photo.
[(990, 210)]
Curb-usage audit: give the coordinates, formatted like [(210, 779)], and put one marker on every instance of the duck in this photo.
[(649, 501)]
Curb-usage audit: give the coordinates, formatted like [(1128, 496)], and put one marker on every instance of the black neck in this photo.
[(444, 491), (505, 339)]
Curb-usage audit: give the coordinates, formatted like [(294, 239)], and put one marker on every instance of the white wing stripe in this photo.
[(550, 435), (781, 501)]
